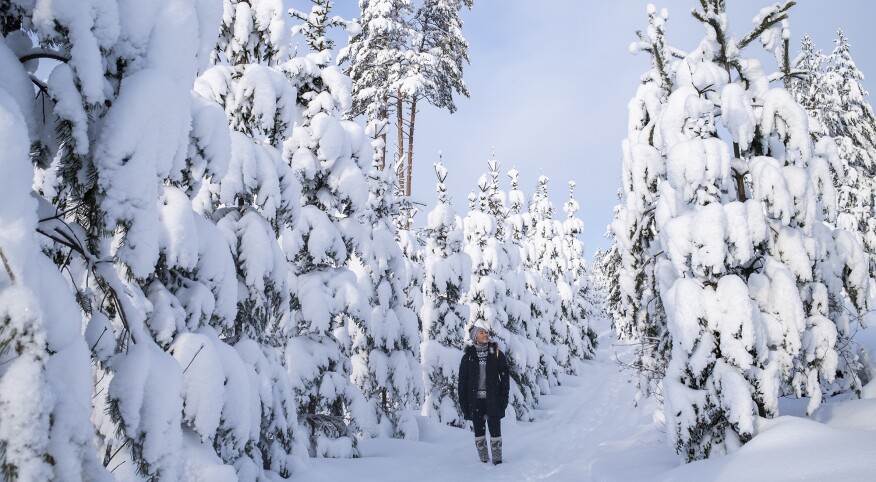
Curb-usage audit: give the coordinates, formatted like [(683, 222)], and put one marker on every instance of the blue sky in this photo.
[(550, 81)]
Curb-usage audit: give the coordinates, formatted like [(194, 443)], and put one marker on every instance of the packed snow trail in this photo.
[(580, 433), (589, 430)]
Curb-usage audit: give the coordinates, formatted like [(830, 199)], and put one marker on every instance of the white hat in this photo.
[(474, 333)]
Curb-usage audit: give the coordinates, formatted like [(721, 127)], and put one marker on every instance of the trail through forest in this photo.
[(589, 430), (585, 430)]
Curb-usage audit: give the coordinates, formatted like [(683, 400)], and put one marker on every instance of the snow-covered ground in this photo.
[(589, 430)]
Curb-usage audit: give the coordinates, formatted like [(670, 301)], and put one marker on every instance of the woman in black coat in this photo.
[(483, 391)]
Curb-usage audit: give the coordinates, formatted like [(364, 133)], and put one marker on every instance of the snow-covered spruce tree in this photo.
[(385, 361), (639, 313), (842, 123), (485, 296), (719, 351), (753, 274), (808, 68), (385, 346), (838, 101), (411, 241), (503, 297), (579, 298), (119, 212), (842, 101), (849, 120), (258, 196), (547, 244), (604, 270), (845, 139), (252, 205), (512, 308), (315, 28), (329, 156), (45, 378), (447, 275), (522, 353), (522, 307)]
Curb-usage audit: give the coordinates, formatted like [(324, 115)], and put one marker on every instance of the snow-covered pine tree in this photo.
[(443, 46), (516, 301), (385, 348), (494, 203), (579, 298), (839, 101), (606, 269), (315, 29), (808, 68), (719, 351), (716, 331), (845, 139), (639, 312), (118, 213), (411, 240), (434, 69), (252, 205), (496, 199), (749, 306), (258, 197), (518, 219), (398, 57), (486, 293), (522, 306), (849, 120), (375, 53), (495, 305), (388, 367), (330, 157), (45, 379), (447, 274), (547, 244), (842, 101)]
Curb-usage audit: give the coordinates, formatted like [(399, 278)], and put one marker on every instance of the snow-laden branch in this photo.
[(43, 54), (6, 265), (778, 15), (39, 83), (62, 233)]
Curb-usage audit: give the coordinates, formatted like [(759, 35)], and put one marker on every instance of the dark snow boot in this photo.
[(481, 444), (496, 448)]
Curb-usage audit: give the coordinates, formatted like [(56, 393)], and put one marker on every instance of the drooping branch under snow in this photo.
[(43, 54), (62, 233)]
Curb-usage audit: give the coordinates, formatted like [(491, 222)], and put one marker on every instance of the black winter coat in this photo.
[(497, 382)]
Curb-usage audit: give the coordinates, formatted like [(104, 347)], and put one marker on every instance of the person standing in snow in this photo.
[(483, 391)]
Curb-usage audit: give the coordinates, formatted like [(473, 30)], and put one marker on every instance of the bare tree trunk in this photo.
[(411, 146), (383, 115), (738, 176), (399, 110), (8, 268)]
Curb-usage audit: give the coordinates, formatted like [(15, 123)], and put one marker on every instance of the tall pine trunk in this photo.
[(739, 177), (400, 119), (383, 116), (411, 145)]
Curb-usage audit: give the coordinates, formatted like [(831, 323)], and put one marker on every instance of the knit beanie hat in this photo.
[(474, 333)]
